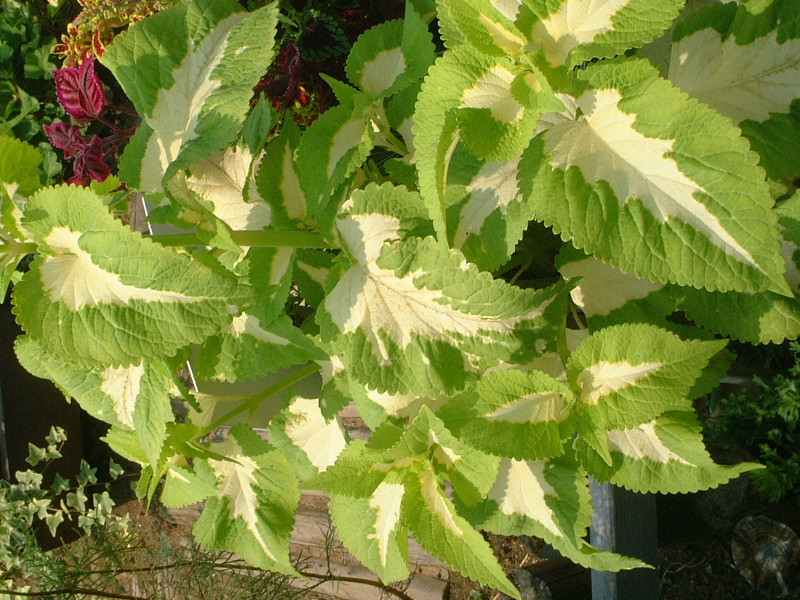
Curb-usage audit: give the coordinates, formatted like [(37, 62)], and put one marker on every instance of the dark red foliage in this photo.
[(80, 91), (88, 153)]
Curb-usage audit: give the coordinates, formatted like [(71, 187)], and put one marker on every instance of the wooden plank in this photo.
[(418, 587), (625, 522)]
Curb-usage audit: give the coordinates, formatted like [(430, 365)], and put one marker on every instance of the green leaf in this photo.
[(253, 513), (278, 181), (549, 499), (136, 397), (189, 72), (607, 296), (373, 531), (665, 455), (309, 440), (19, 171), (412, 311), (629, 374), (673, 182), (570, 32), (443, 533), (391, 56), (251, 346), (511, 413), (97, 285)]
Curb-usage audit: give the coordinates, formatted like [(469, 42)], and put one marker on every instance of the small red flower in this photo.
[(80, 92)]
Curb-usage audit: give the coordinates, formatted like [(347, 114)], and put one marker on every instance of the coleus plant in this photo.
[(655, 160)]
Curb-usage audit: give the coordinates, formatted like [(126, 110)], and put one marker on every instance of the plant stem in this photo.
[(271, 239), (76, 592), (256, 399), (12, 247)]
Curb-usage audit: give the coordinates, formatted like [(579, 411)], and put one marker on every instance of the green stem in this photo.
[(271, 239), (12, 247), (253, 401)]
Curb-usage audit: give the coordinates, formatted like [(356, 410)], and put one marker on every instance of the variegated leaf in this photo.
[(629, 374), (511, 413), (446, 535), (96, 283), (662, 172), (135, 397), (569, 32), (223, 180), (189, 71), (397, 310), (491, 104), (373, 531), (391, 56), (251, 346), (257, 497), (744, 63), (278, 181), (607, 296), (302, 432), (666, 454), (548, 499)]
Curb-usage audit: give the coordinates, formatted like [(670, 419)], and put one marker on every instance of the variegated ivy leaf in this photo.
[(257, 497), (570, 32), (629, 374), (99, 293), (306, 437), (673, 180), (253, 345), (548, 499), (745, 64), (666, 455), (190, 72), (373, 531), (135, 397), (391, 56), (278, 181), (511, 413), (413, 313), (607, 296)]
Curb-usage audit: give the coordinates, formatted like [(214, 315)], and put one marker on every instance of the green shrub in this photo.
[(765, 418)]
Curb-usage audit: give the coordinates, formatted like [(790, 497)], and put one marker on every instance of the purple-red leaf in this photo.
[(89, 162), (80, 92), (67, 137)]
